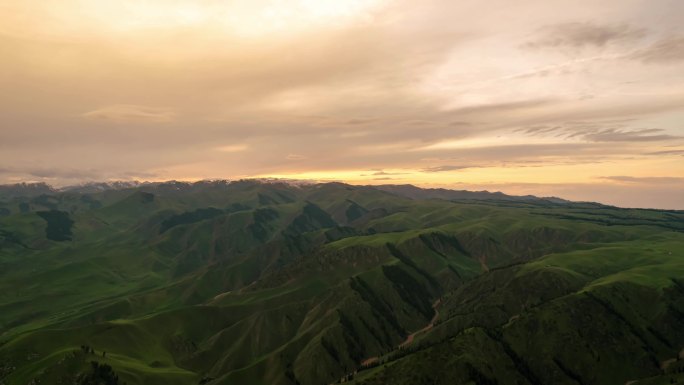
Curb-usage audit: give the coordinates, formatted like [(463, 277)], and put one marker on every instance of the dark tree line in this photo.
[(100, 374)]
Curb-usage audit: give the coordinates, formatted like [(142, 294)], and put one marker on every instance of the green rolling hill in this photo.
[(251, 282)]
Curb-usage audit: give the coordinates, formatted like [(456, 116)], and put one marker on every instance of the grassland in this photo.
[(266, 283)]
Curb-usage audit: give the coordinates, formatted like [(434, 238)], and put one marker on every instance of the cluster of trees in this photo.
[(59, 225), (100, 374), (87, 349)]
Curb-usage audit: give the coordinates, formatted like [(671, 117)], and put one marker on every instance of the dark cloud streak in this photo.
[(584, 34), (665, 51), (444, 168)]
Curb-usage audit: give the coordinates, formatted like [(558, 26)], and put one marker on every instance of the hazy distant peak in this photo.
[(93, 187)]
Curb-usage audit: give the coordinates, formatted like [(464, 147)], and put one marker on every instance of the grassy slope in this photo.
[(601, 316)]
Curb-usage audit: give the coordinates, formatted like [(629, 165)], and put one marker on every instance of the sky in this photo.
[(581, 99)]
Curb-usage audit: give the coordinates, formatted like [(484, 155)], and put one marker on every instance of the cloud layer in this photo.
[(435, 93)]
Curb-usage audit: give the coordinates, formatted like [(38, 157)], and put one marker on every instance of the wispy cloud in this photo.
[(643, 135), (388, 173), (444, 168), (584, 34), (601, 131), (666, 51), (131, 113), (295, 157), (658, 180), (667, 152), (57, 175), (232, 148)]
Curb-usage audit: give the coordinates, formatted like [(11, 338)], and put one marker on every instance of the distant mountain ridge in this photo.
[(26, 189), (405, 190), (414, 192)]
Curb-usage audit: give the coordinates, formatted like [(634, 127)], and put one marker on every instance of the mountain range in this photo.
[(266, 282)]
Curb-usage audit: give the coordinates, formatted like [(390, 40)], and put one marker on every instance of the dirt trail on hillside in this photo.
[(409, 339), (666, 364), (663, 365), (429, 326), (483, 263)]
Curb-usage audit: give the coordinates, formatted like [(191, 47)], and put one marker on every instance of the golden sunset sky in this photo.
[(573, 98)]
